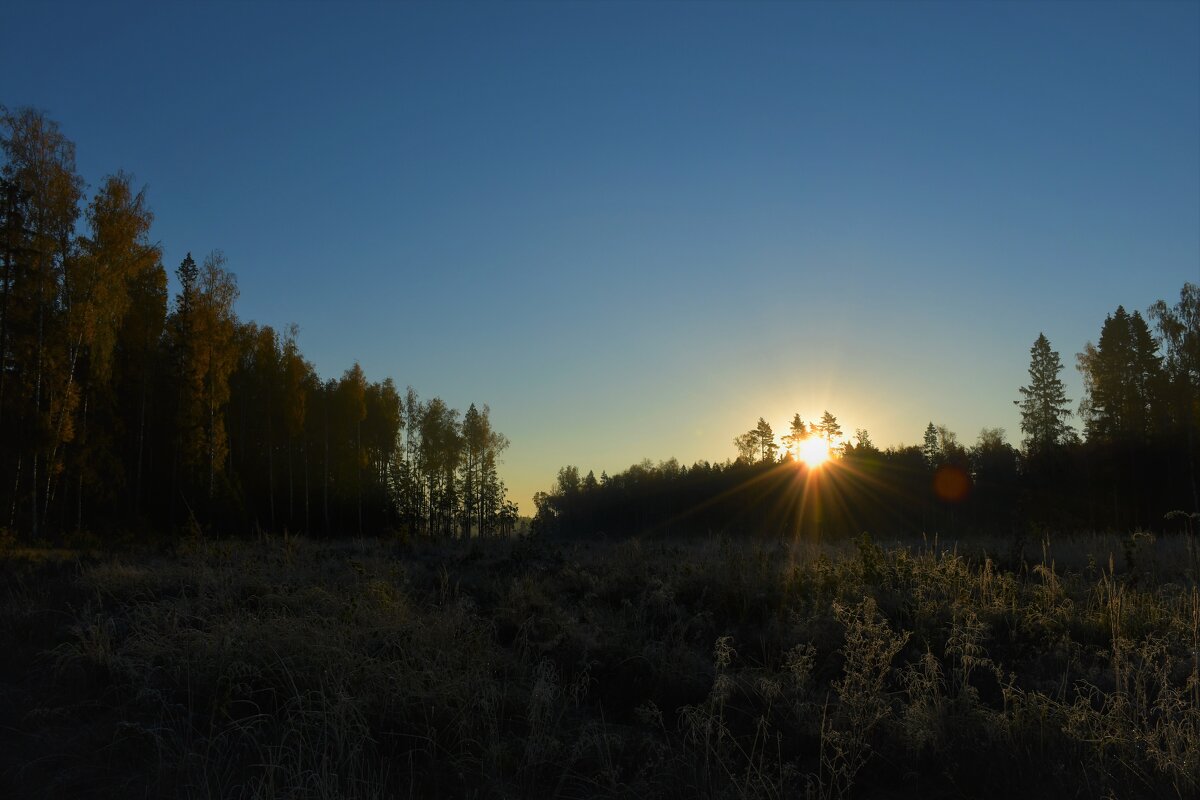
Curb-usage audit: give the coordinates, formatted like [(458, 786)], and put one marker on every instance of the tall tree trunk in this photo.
[(12, 514), (291, 482), (271, 471), (212, 439), (358, 469), (325, 405), (8, 280), (174, 481), (79, 495), (37, 404), (1191, 449), (176, 489), (33, 525), (62, 416), (141, 443)]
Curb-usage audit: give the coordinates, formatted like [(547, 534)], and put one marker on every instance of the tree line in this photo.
[(1132, 463), (122, 409)]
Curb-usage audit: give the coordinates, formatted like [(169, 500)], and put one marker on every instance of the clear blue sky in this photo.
[(632, 229)]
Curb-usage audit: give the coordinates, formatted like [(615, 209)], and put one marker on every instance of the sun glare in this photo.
[(813, 452)]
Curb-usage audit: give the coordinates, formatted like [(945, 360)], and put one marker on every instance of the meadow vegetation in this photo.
[(524, 667)]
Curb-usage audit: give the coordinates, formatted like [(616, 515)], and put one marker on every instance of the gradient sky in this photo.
[(632, 229)]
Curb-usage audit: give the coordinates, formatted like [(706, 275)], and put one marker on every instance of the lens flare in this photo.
[(951, 483), (813, 452)]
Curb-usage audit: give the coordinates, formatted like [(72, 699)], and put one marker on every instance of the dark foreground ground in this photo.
[(290, 668)]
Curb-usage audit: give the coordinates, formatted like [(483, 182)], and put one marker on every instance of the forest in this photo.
[(225, 576), (127, 414), (1133, 466)]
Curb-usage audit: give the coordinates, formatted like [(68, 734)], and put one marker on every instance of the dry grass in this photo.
[(291, 668)]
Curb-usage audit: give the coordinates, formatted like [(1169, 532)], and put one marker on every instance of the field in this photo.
[(640, 668)]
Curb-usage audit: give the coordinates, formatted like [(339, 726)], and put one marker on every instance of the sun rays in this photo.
[(813, 453)]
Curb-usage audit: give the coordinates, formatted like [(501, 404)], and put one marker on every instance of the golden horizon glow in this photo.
[(813, 452)]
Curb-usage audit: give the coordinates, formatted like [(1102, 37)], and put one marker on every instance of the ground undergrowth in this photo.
[(712, 668)]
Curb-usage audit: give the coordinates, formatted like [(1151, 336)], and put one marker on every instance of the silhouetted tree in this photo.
[(797, 433), (747, 446), (298, 380), (1122, 379), (863, 443), (766, 441), (113, 409), (828, 428), (1045, 407), (1179, 328), (930, 447), (438, 458)]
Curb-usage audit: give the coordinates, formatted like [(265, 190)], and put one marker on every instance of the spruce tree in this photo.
[(1123, 378), (1045, 407), (930, 449)]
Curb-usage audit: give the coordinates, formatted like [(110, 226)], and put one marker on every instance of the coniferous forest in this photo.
[(126, 411)]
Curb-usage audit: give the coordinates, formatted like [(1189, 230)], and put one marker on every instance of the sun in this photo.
[(813, 452)]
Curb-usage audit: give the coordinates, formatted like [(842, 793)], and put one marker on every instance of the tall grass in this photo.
[(518, 668)]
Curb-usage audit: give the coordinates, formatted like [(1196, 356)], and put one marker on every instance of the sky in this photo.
[(632, 229)]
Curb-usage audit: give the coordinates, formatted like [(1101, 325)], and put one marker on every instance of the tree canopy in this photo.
[(121, 411)]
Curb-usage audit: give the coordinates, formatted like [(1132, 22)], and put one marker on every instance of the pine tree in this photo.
[(828, 428), (766, 440), (1045, 407), (797, 433)]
